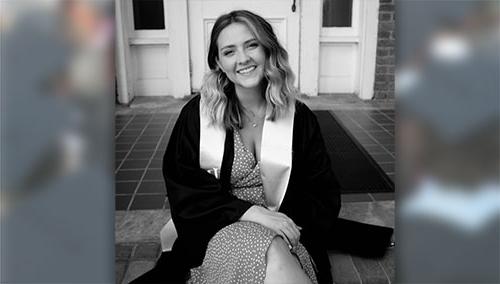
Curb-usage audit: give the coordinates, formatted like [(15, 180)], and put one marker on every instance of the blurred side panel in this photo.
[(447, 84), (57, 97)]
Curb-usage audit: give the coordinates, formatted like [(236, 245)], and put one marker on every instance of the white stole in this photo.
[(275, 163), (276, 157), (212, 141)]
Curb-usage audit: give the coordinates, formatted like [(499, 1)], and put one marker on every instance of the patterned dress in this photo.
[(237, 253)]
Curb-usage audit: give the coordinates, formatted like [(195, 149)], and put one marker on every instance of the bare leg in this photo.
[(282, 266)]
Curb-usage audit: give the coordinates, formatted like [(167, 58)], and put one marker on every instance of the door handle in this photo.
[(293, 6)]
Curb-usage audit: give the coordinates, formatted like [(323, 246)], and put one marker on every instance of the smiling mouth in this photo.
[(246, 70)]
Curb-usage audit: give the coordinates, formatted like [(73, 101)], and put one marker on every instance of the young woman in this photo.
[(249, 181)]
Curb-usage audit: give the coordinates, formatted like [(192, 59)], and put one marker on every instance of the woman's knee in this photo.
[(279, 244), (278, 249), (278, 254), (282, 266)]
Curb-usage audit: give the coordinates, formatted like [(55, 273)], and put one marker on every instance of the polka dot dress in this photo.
[(237, 253)]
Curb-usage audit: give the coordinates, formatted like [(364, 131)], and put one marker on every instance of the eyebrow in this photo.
[(232, 45)]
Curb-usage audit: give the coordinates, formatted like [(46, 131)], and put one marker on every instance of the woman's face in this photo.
[(241, 56)]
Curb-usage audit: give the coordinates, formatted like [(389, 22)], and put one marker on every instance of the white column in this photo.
[(309, 46), (122, 56), (368, 48), (179, 47)]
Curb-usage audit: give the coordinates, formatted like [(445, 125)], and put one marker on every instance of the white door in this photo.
[(147, 33), (339, 45), (153, 34), (347, 47), (202, 16)]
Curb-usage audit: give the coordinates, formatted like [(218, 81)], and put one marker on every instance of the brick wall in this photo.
[(384, 70)]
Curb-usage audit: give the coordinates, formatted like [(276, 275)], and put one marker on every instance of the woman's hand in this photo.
[(276, 221)]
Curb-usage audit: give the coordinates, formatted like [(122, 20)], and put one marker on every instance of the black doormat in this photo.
[(356, 170)]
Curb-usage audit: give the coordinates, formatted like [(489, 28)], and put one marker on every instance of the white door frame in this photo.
[(176, 38), (363, 32)]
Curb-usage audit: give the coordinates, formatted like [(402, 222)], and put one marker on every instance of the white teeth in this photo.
[(246, 70)]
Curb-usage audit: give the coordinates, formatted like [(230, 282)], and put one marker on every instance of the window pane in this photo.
[(337, 13), (148, 15)]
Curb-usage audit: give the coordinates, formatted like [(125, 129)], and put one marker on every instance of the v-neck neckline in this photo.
[(254, 159)]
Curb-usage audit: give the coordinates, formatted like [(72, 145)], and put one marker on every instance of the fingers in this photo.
[(296, 229), (291, 232), (290, 237), (286, 239), (283, 225), (288, 219), (292, 222)]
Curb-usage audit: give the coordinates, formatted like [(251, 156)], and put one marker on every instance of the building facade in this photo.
[(334, 46)]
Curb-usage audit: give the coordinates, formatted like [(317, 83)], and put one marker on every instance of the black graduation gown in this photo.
[(201, 205)]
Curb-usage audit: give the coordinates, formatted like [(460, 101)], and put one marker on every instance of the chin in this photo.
[(251, 84)]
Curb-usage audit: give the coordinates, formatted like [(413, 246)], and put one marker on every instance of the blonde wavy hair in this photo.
[(218, 97)]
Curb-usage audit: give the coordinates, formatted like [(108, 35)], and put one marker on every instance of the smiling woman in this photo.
[(259, 47), (241, 58), (258, 221)]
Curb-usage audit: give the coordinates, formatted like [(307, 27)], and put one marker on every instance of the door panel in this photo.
[(151, 63), (337, 67)]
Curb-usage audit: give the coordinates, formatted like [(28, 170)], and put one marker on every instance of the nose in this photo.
[(242, 58)]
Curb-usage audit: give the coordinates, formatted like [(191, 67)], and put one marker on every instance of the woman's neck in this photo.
[(251, 98)]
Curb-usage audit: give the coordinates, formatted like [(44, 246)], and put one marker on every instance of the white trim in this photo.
[(368, 49), (339, 39), (148, 41), (353, 30), (148, 33)]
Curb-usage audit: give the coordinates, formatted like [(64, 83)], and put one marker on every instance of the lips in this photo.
[(246, 70)]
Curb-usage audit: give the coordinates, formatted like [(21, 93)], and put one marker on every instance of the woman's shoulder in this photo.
[(305, 121), (192, 104), (190, 110), (189, 115), (303, 111)]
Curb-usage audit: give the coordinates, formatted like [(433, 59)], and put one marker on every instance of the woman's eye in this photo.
[(227, 53), (253, 45)]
